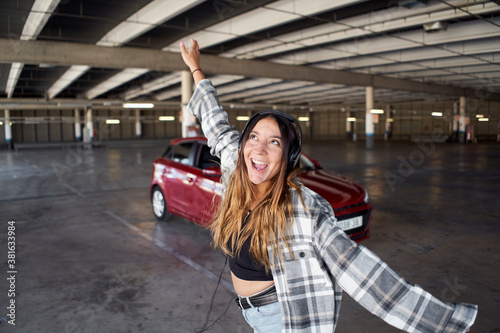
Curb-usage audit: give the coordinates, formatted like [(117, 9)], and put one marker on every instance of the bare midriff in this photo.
[(249, 288)]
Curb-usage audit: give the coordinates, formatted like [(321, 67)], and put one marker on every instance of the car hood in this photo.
[(338, 190)]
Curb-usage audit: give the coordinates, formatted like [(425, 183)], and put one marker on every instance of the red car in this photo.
[(186, 183)]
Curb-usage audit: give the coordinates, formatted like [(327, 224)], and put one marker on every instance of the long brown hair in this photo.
[(271, 218)]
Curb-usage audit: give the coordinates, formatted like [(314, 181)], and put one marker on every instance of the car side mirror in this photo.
[(212, 171)]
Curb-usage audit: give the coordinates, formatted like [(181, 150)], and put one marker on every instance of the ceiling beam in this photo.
[(67, 54)]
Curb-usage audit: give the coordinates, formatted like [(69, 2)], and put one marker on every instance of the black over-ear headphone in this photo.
[(295, 149)]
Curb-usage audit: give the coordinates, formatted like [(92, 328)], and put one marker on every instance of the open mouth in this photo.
[(259, 165)]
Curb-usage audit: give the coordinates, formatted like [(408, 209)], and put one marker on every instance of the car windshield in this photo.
[(306, 163)]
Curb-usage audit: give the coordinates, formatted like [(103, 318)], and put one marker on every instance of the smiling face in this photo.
[(263, 152)]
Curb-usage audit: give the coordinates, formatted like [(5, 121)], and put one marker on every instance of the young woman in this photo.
[(289, 261)]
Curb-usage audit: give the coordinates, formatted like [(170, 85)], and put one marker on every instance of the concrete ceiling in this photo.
[(303, 53)]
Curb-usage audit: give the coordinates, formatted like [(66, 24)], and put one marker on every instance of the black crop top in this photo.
[(245, 268)]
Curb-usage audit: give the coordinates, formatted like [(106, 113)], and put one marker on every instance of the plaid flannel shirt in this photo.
[(324, 260)]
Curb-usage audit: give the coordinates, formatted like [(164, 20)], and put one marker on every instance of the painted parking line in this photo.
[(172, 251), (162, 245)]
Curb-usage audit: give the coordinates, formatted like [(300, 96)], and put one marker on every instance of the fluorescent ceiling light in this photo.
[(377, 111), (115, 81), (166, 118), (351, 118), (112, 121), (73, 73), (390, 120), (437, 114), (138, 105), (303, 119), (484, 119), (479, 116), (242, 118)]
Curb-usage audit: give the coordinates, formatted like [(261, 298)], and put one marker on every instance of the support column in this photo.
[(351, 126), (498, 131), (8, 131), (369, 129), (354, 127), (455, 121), (187, 91), (88, 132), (388, 122), (138, 125), (461, 134), (78, 126), (309, 125), (348, 125)]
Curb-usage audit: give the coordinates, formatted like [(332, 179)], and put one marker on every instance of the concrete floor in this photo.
[(90, 256)]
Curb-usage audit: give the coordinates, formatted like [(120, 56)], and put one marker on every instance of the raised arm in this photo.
[(204, 105), (192, 60)]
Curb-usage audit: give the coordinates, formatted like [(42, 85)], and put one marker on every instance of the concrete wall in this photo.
[(411, 119)]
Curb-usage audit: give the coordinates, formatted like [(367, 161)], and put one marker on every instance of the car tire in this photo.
[(159, 205)]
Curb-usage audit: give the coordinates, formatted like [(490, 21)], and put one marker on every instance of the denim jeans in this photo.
[(264, 319)]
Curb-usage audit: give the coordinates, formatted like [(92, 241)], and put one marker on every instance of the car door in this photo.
[(180, 177), (207, 186)]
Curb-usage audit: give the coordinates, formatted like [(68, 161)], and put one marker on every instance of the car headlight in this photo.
[(367, 196)]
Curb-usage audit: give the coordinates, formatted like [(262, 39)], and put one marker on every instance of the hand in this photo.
[(192, 57)]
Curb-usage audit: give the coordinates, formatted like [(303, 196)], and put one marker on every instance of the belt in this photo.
[(265, 297)]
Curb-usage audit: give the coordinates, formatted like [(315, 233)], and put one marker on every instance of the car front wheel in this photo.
[(159, 205)]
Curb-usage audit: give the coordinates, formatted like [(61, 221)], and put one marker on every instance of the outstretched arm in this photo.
[(374, 285), (192, 60)]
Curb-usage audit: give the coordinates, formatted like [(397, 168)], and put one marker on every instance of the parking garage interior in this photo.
[(401, 96)]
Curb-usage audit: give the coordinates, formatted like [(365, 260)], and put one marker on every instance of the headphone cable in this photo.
[(205, 328)]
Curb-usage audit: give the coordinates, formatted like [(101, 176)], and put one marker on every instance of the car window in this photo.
[(206, 159), (181, 152), (168, 152), (306, 164)]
